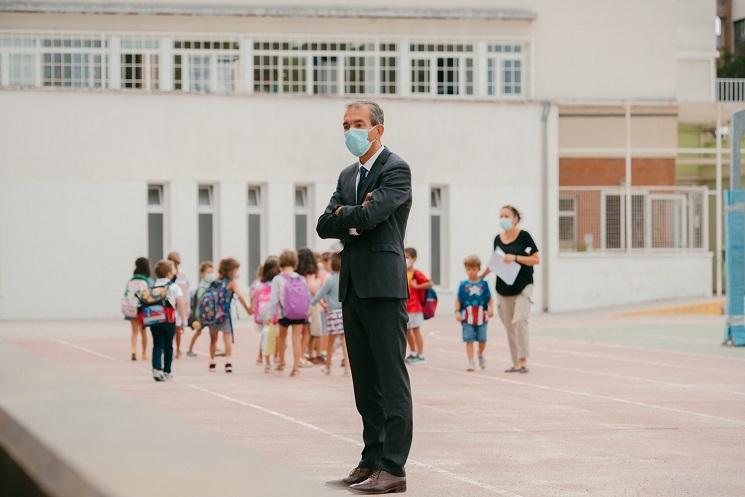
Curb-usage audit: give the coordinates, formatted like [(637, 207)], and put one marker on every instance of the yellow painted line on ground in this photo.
[(708, 307)]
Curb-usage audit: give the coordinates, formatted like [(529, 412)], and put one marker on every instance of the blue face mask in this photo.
[(357, 142), (505, 223)]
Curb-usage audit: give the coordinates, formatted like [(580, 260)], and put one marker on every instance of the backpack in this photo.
[(428, 298), (155, 308), (295, 298), (214, 305), (130, 305), (262, 301)]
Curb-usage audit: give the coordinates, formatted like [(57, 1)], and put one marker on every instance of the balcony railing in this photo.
[(731, 89)]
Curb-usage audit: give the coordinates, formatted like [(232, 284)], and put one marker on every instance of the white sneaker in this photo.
[(482, 362), (471, 365), (158, 375), (167, 376)]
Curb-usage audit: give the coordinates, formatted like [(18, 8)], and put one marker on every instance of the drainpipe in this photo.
[(544, 199)]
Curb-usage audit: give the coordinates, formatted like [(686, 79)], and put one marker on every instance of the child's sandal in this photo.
[(294, 372), (212, 367), (228, 368)]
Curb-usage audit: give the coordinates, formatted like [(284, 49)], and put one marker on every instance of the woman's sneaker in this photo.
[(158, 375)]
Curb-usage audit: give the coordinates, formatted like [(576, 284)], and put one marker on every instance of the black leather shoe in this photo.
[(358, 475), (380, 482)]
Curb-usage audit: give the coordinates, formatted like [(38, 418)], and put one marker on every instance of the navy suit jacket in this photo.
[(373, 260)]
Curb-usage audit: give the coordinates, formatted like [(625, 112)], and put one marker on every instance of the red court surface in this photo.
[(612, 406)]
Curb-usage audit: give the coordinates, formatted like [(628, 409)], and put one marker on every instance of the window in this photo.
[(302, 217), (420, 76), (437, 234), (325, 75), (739, 36), (206, 65), (505, 72), (72, 62), (155, 223), (357, 75), (22, 69), (254, 208), (449, 65), (139, 63), (567, 223), (388, 67), (447, 76), (324, 67), (206, 222)]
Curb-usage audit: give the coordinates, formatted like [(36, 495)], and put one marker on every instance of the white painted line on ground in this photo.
[(619, 376), (625, 359), (584, 394), (285, 417)]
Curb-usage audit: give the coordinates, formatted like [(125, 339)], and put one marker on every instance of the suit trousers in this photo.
[(375, 332)]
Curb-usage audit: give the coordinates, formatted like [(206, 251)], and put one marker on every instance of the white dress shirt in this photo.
[(367, 165)]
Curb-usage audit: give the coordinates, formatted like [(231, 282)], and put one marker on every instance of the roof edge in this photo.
[(106, 8)]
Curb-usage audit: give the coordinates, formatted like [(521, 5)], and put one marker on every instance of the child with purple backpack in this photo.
[(291, 299), (261, 299)]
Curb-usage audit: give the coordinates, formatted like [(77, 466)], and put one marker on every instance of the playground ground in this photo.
[(614, 406)]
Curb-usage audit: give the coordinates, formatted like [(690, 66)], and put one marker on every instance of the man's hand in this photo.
[(367, 200), (338, 210)]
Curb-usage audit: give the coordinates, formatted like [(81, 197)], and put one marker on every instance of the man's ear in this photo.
[(380, 129)]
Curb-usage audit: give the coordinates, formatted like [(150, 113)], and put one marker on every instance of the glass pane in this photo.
[(205, 237), (154, 237), (254, 243), (254, 197), (435, 198), (435, 248), (205, 196), (301, 231), (154, 195), (300, 197)]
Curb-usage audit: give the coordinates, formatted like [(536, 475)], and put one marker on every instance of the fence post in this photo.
[(735, 219)]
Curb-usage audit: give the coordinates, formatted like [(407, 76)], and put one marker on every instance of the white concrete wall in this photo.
[(587, 281), (76, 165)]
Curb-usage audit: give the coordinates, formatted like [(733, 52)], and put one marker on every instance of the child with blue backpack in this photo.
[(291, 298), (214, 309), (159, 305)]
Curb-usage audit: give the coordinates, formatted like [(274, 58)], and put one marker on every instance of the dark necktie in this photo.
[(361, 183)]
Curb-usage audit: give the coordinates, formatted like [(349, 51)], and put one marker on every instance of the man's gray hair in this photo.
[(376, 113)]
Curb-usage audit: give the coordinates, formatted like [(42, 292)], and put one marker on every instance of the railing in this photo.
[(670, 218), (731, 89)]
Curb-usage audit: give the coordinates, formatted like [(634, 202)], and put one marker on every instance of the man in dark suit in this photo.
[(368, 212)]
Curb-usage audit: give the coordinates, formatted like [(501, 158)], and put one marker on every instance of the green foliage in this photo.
[(731, 65)]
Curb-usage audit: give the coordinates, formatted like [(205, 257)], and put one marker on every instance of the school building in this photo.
[(131, 129)]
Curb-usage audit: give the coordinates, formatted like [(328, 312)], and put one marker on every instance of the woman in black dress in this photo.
[(514, 300)]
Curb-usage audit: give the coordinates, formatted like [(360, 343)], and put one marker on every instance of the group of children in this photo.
[(295, 296)]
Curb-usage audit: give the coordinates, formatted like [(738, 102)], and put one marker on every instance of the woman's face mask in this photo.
[(506, 223), (210, 277)]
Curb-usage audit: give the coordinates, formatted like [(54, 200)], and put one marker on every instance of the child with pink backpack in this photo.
[(291, 299), (261, 300)]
